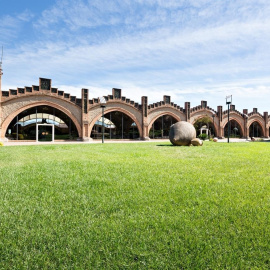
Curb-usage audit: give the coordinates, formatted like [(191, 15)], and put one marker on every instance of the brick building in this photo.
[(43, 112)]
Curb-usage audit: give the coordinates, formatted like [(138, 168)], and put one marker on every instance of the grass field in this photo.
[(135, 206)]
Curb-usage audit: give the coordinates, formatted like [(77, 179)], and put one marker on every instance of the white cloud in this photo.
[(187, 49), (11, 24)]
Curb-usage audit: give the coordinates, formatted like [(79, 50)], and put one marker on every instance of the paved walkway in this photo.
[(14, 143), (233, 140)]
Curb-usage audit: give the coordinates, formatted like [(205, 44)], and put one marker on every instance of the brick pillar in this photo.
[(187, 111), (203, 104), (85, 120), (116, 93), (245, 134), (220, 130), (167, 99), (145, 131), (265, 115)]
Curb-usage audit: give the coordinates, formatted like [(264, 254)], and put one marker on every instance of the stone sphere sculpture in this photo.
[(181, 133)]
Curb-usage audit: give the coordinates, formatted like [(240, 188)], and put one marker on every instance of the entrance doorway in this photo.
[(45, 133)]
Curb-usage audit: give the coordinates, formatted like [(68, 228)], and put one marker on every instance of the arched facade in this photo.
[(11, 107), (236, 117), (85, 112), (161, 112), (257, 118), (204, 120), (160, 126), (113, 107)]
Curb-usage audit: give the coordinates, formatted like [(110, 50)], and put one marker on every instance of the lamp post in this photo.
[(103, 106), (228, 102)]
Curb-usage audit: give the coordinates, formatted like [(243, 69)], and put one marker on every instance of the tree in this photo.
[(202, 121)]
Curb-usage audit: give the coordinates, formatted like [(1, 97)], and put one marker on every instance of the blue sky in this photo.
[(192, 50)]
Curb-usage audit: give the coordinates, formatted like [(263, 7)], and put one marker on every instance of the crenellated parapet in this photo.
[(116, 97), (44, 88), (201, 107), (233, 110), (255, 112), (165, 103), (225, 113)]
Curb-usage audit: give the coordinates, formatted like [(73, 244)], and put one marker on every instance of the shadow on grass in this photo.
[(165, 145)]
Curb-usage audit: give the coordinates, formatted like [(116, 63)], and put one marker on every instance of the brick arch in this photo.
[(161, 114), (8, 119), (115, 109), (255, 119), (258, 120), (236, 119), (195, 115), (200, 116), (233, 116)]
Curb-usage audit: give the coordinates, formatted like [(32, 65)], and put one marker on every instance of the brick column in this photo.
[(187, 111), (220, 130), (116, 93), (245, 134), (203, 104), (145, 131), (85, 120), (265, 115)]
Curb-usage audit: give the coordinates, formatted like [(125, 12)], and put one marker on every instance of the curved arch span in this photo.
[(241, 132), (257, 121), (160, 125), (9, 119), (211, 124), (116, 110), (176, 117), (257, 133)]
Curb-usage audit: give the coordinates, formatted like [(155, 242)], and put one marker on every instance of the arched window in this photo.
[(205, 123), (161, 127), (255, 130), (117, 125), (47, 118), (235, 130)]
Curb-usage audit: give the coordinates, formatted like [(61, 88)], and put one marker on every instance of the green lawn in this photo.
[(135, 206)]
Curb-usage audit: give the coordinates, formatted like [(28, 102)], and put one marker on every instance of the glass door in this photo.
[(45, 133)]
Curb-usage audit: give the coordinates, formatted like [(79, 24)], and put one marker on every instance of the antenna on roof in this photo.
[(1, 58)]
